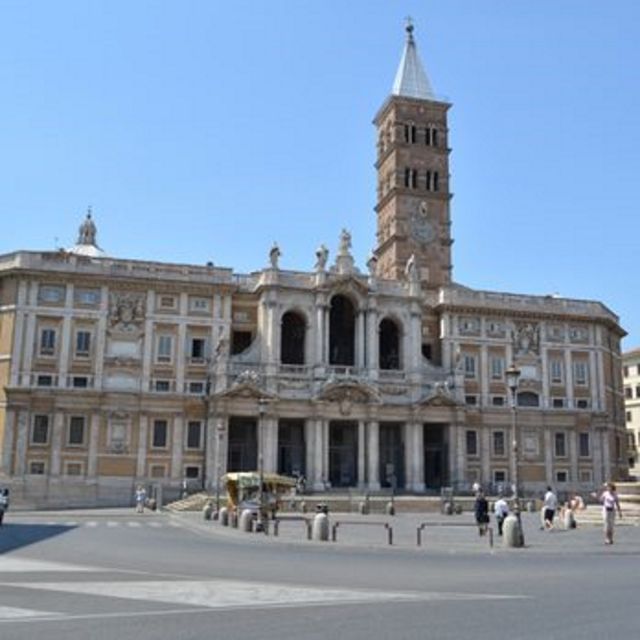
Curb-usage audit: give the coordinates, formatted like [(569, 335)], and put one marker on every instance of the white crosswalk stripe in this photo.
[(15, 613)]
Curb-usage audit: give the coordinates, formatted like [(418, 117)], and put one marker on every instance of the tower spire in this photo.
[(411, 80)]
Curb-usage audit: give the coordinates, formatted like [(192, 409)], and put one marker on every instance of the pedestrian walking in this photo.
[(610, 504), (481, 512), (550, 504), (140, 496), (500, 511)]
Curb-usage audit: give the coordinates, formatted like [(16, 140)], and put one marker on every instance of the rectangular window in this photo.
[(160, 429), (197, 351), (165, 349), (556, 369), (200, 304), (497, 368), (40, 434), (167, 302), (471, 400), (80, 382), (560, 444), (36, 468), (158, 471), (194, 435), (472, 443), (629, 416), (562, 476), (557, 403), (51, 294), (88, 297), (497, 401), (45, 381), (498, 443), (163, 386), (83, 344), (429, 181), (76, 431), (73, 469), (638, 391), (436, 187), (582, 403), (584, 445), (192, 472), (586, 476), (625, 372), (196, 387), (580, 372), (47, 342), (628, 392), (469, 366), (499, 476)]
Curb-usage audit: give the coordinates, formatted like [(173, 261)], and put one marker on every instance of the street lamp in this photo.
[(513, 377)]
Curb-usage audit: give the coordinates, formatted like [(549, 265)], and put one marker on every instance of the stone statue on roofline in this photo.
[(274, 255)]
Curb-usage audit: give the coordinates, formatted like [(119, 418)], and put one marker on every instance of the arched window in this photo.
[(389, 345), (342, 331), (292, 338), (528, 399)]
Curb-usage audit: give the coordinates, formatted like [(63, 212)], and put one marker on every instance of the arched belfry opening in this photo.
[(292, 338), (389, 345), (342, 331)]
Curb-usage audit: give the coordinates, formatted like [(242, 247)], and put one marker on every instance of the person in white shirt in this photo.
[(500, 511), (610, 504), (549, 508)]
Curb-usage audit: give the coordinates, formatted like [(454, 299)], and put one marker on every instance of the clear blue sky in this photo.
[(205, 130)]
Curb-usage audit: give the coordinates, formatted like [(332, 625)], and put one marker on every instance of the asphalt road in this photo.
[(114, 575)]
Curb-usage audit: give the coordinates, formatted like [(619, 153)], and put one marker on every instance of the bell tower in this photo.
[(413, 176)]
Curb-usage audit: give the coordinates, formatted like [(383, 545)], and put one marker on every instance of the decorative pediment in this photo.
[(441, 395), (349, 284), (248, 384), (347, 393)]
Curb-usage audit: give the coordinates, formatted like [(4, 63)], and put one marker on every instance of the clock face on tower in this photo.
[(420, 226)]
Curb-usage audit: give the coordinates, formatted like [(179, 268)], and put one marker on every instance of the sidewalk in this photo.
[(440, 534)]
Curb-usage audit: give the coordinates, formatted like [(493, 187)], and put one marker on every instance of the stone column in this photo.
[(485, 376), (485, 454), (94, 442), (373, 346), (573, 455), (593, 381), (414, 341), (66, 343), (22, 437), (362, 455), (546, 389), (320, 355), (19, 331), (414, 455), (101, 338), (568, 374), (269, 443), (606, 453), (548, 456), (143, 439), (177, 447), (360, 340), (31, 343), (148, 346), (57, 437), (318, 455), (7, 445), (182, 342), (453, 450), (374, 455)]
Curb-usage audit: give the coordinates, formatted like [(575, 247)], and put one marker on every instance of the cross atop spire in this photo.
[(411, 79)]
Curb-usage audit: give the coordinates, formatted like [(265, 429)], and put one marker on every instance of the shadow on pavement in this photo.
[(15, 536)]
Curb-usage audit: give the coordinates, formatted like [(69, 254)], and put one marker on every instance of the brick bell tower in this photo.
[(413, 176)]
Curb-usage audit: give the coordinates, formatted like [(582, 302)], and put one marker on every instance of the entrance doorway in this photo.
[(243, 444), (291, 449), (436, 455), (391, 455), (343, 453)]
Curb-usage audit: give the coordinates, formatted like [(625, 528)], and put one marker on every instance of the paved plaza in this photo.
[(110, 574)]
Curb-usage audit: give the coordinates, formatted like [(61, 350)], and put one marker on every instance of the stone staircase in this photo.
[(193, 502)]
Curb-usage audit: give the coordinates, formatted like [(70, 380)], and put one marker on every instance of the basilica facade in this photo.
[(117, 372)]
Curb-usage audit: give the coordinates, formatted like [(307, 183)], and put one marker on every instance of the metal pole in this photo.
[(205, 436)]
